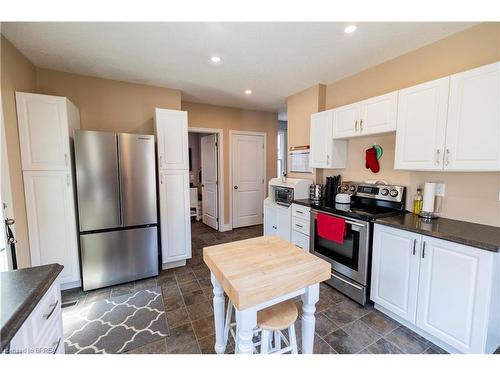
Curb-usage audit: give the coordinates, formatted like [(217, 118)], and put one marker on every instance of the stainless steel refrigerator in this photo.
[(116, 190)]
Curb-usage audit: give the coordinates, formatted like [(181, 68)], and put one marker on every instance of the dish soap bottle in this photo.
[(418, 202)]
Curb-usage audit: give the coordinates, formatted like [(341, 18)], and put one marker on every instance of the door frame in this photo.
[(220, 172), (264, 161)]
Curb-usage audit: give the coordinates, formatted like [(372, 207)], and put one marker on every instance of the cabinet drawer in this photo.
[(302, 212), (46, 312), (300, 239), (300, 225), (51, 341)]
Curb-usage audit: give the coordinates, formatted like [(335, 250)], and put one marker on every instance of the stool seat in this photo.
[(278, 317)]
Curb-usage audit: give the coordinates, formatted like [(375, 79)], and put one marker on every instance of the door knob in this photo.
[(236, 187), (9, 221)]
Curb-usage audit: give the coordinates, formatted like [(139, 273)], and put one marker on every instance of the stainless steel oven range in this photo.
[(351, 260)]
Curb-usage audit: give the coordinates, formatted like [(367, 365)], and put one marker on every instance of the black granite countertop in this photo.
[(476, 235), (20, 291)]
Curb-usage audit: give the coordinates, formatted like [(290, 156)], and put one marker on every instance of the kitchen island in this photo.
[(258, 273)]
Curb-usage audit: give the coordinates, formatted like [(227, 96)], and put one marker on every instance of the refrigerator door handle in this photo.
[(119, 177)]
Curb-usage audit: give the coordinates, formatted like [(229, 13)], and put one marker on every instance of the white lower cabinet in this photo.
[(174, 216), (447, 290), (277, 220), (301, 226), (42, 331), (50, 209), (301, 240)]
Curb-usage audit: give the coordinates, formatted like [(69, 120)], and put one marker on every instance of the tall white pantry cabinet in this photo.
[(171, 129), (46, 125)]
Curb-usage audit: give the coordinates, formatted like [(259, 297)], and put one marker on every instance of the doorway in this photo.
[(248, 176), (205, 177)]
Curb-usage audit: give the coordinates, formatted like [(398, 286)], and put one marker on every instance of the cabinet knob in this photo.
[(438, 152), (356, 126), (447, 160)]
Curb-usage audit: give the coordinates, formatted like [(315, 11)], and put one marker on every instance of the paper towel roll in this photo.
[(429, 197)]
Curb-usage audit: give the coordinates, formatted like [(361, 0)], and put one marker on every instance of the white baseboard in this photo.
[(225, 227), (71, 285), (179, 263)]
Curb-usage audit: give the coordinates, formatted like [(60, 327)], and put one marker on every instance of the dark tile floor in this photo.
[(342, 326)]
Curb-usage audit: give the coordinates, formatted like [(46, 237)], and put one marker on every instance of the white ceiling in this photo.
[(274, 60)]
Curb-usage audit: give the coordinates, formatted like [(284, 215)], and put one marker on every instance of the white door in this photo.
[(473, 131), (51, 216), (270, 220), (346, 121), (395, 268), (379, 114), (321, 139), (421, 126), (174, 216), (247, 157), (172, 139), (43, 132), (209, 184), (454, 292)]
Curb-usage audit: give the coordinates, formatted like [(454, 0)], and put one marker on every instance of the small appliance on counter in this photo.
[(429, 207), (283, 193), (316, 192)]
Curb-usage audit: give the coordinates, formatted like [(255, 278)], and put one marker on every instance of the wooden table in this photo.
[(258, 273)]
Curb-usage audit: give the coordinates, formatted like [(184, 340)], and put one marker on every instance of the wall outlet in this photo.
[(440, 189)]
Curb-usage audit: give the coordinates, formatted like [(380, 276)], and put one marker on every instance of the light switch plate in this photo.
[(440, 190)]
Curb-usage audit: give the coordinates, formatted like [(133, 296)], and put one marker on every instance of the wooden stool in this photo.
[(273, 320)]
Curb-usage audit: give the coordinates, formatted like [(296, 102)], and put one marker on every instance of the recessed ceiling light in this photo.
[(215, 59), (350, 29), (248, 91)]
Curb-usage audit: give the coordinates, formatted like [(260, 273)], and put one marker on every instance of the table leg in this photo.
[(246, 321), (309, 299), (220, 344)]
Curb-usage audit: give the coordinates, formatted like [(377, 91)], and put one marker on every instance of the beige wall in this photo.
[(109, 105), (300, 106), (17, 74), (227, 118), (469, 196)]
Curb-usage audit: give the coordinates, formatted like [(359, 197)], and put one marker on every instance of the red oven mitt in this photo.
[(371, 160)]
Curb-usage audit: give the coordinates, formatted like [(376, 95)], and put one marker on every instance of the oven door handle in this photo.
[(355, 223), (314, 212), (347, 282)]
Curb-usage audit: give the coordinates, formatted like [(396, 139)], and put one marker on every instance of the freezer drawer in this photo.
[(115, 257)]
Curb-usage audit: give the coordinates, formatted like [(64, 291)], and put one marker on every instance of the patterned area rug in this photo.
[(117, 324)]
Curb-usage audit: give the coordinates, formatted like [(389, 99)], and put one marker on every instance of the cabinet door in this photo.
[(172, 137), (174, 216), (283, 223), (51, 216), (395, 268), (270, 220), (454, 290), (421, 126), (321, 139), (473, 131), (346, 121), (379, 114), (43, 132)]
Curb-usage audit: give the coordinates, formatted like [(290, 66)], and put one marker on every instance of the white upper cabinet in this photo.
[(371, 116), (451, 124), (454, 293), (379, 114), (421, 126), (346, 121), (172, 136), (325, 151), (45, 125), (473, 131)]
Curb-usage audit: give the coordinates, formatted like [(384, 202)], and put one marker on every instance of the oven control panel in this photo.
[(393, 193)]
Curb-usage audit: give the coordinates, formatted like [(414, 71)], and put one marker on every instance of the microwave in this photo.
[(283, 195)]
